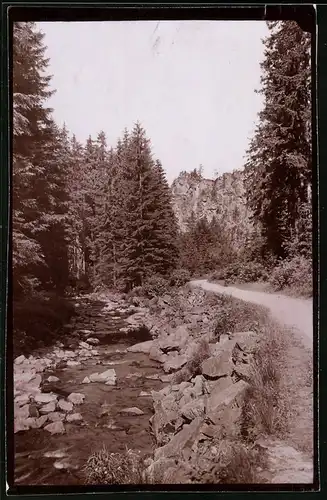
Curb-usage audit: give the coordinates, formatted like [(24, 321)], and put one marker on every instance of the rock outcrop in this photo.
[(223, 198)]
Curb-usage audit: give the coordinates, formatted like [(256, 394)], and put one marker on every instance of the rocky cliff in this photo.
[(223, 198)]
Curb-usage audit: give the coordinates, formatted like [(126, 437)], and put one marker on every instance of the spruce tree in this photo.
[(30, 118), (279, 165)]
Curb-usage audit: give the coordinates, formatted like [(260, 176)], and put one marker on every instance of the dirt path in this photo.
[(296, 314)]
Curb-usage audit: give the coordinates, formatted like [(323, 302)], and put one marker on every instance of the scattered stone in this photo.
[(154, 376), (85, 345), (145, 394), (76, 398), (184, 439), (109, 377), (74, 417), (72, 363), (217, 366), (53, 379), (65, 405), (143, 347), (93, 341), (155, 354), (86, 380), (133, 411), (174, 363), (36, 423), (193, 409), (56, 416), (64, 465), (219, 399), (55, 454), (20, 360), (20, 425), (55, 428), (21, 400), (45, 398), (49, 408)]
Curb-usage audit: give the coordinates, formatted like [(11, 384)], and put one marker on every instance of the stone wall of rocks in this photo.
[(191, 417)]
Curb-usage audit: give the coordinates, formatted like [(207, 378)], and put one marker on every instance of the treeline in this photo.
[(82, 215)]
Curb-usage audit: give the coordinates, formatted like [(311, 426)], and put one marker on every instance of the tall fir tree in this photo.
[(279, 165)]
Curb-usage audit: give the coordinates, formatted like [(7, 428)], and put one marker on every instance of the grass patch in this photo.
[(238, 463), (104, 467), (267, 409)]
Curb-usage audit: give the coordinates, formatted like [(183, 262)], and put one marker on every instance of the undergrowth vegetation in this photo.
[(104, 467), (38, 321)]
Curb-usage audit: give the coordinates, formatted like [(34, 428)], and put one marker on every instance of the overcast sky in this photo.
[(190, 83)]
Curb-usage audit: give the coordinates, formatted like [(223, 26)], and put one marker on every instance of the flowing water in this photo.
[(45, 459)]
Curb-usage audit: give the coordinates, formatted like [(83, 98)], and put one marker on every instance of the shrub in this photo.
[(155, 286), (241, 272), (104, 467), (179, 277), (294, 275)]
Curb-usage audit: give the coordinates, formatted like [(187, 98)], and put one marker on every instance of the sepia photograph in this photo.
[(161, 246)]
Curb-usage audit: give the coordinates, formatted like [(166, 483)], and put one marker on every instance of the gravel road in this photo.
[(292, 312)]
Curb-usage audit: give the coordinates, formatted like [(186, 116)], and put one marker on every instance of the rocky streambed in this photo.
[(84, 393)]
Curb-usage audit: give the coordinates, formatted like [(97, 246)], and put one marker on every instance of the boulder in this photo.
[(132, 411), (217, 366), (143, 347), (65, 405), (22, 399), (177, 474), (53, 379), (231, 397), (20, 425), (55, 427), (85, 345), (20, 360), (242, 371), (93, 341), (155, 354), (165, 416), (108, 376), (199, 385), (193, 409), (86, 380), (55, 416), (184, 439), (49, 408), (174, 362), (76, 398), (36, 423), (45, 398), (155, 471), (72, 363), (74, 417)]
